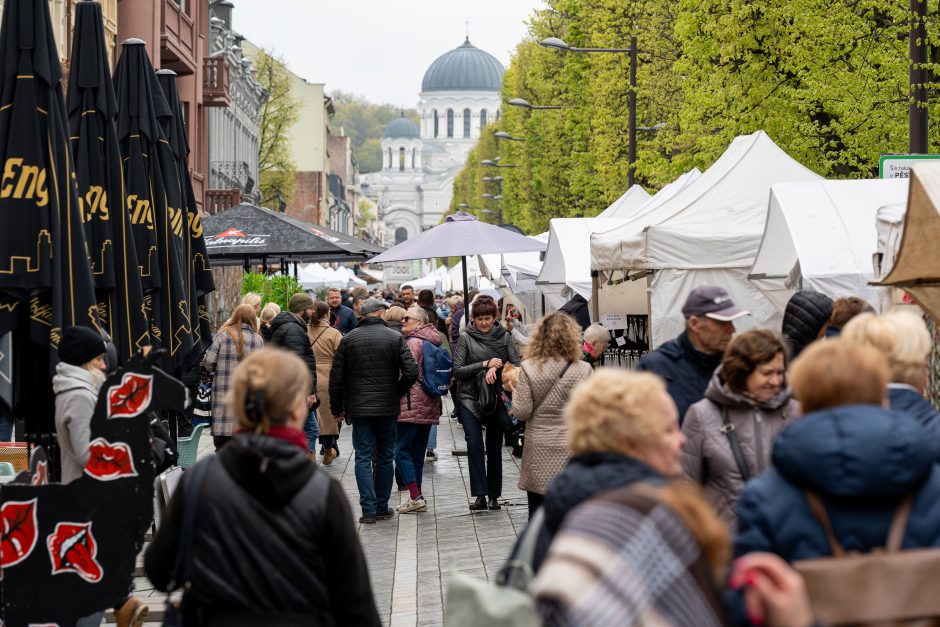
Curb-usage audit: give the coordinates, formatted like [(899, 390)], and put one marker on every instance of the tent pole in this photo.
[(466, 292), (595, 299), (295, 270)]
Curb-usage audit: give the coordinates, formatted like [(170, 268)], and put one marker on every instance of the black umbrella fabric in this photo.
[(92, 109), (151, 184), (45, 276), (197, 273), (245, 232)]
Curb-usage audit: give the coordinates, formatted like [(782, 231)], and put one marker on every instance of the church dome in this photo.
[(401, 127), (466, 68)]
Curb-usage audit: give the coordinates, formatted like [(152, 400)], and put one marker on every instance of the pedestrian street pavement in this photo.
[(412, 556)]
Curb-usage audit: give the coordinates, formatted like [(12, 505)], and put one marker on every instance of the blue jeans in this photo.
[(375, 485), (410, 451), (312, 430), (486, 479), (432, 438)]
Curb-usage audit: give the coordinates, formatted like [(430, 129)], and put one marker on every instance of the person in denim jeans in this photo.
[(372, 369)]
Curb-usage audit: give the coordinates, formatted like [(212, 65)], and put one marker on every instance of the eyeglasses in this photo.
[(406, 319)]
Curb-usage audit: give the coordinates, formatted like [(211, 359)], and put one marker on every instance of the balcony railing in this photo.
[(215, 82), (221, 199), (178, 37)]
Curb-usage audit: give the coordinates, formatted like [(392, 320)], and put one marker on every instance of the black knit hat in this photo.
[(79, 345), (806, 314)]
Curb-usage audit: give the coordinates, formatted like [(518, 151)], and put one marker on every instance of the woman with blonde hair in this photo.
[(237, 339), (553, 366), (325, 340), (902, 337), (307, 567), (268, 313), (254, 299), (393, 317)]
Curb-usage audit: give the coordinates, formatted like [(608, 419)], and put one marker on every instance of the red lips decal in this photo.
[(107, 462), (17, 531), (131, 397), (72, 548), (41, 476)]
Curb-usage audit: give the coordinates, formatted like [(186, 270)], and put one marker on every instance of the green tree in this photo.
[(365, 123), (276, 168)]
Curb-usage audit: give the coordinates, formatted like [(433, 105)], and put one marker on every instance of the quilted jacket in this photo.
[(417, 406)]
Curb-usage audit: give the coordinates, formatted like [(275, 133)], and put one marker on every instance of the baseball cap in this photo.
[(712, 302)]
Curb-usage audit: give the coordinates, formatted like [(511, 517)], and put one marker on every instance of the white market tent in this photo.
[(438, 281), (626, 205), (707, 233), (823, 236), (568, 258)]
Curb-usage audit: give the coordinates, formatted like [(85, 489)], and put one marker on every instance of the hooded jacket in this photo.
[(707, 458), (686, 371), (907, 399), (860, 460), (371, 371), (584, 477), (288, 332), (76, 394), (577, 308), (473, 349), (264, 544), (806, 314), (417, 406)]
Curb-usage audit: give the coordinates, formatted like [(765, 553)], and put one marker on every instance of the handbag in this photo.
[(727, 427), (487, 394), (475, 603), (174, 613), (202, 406)]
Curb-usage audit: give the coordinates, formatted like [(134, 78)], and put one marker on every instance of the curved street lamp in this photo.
[(525, 104), (507, 136)]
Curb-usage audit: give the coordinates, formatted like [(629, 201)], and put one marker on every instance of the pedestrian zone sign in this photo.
[(899, 166)]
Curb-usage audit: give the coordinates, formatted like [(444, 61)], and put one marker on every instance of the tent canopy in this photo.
[(249, 232), (915, 267), (626, 205), (829, 229), (567, 260), (713, 222)]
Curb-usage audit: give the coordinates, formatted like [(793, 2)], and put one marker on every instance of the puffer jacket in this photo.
[(860, 460), (76, 393), (288, 332), (707, 458), (285, 576), (685, 370), (805, 316), (542, 387), (372, 370), (469, 358), (417, 406), (907, 399)]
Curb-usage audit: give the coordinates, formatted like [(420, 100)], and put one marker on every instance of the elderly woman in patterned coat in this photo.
[(552, 367), (419, 411), (237, 338)]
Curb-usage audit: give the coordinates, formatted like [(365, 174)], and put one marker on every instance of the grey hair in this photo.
[(418, 314), (596, 333)]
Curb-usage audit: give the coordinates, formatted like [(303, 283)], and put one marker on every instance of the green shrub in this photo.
[(274, 288)]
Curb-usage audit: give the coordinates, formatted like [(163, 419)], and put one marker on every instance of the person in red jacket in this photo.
[(419, 411)]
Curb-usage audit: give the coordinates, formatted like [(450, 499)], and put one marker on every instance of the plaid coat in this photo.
[(220, 362)]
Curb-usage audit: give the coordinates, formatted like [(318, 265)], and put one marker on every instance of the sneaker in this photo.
[(430, 456), (367, 519), (132, 613), (413, 505), (389, 513)]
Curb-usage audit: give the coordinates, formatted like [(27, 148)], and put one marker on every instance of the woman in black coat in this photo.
[(481, 352)]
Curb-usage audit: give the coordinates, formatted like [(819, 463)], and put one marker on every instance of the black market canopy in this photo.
[(246, 232)]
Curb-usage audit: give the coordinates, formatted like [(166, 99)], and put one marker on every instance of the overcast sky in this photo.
[(378, 48)]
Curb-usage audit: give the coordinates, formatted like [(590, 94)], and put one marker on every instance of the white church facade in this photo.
[(459, 97)]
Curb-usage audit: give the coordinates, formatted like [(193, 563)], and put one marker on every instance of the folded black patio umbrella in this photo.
[(151, 184), (92, 109), (45, 276), (197, 272)]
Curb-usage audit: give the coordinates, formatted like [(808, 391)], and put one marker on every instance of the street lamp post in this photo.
[(507, 136), (523, 103), (558, 44)]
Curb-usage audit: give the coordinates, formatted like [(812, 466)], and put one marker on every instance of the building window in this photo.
[(466, 122), (450, 122), (414, 152), (482, 118), (401, 234), (436, 127), (401, 159), (389, 158)]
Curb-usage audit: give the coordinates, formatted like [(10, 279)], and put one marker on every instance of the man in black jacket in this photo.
[(289, 331), (372, 369), (688, 362)]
